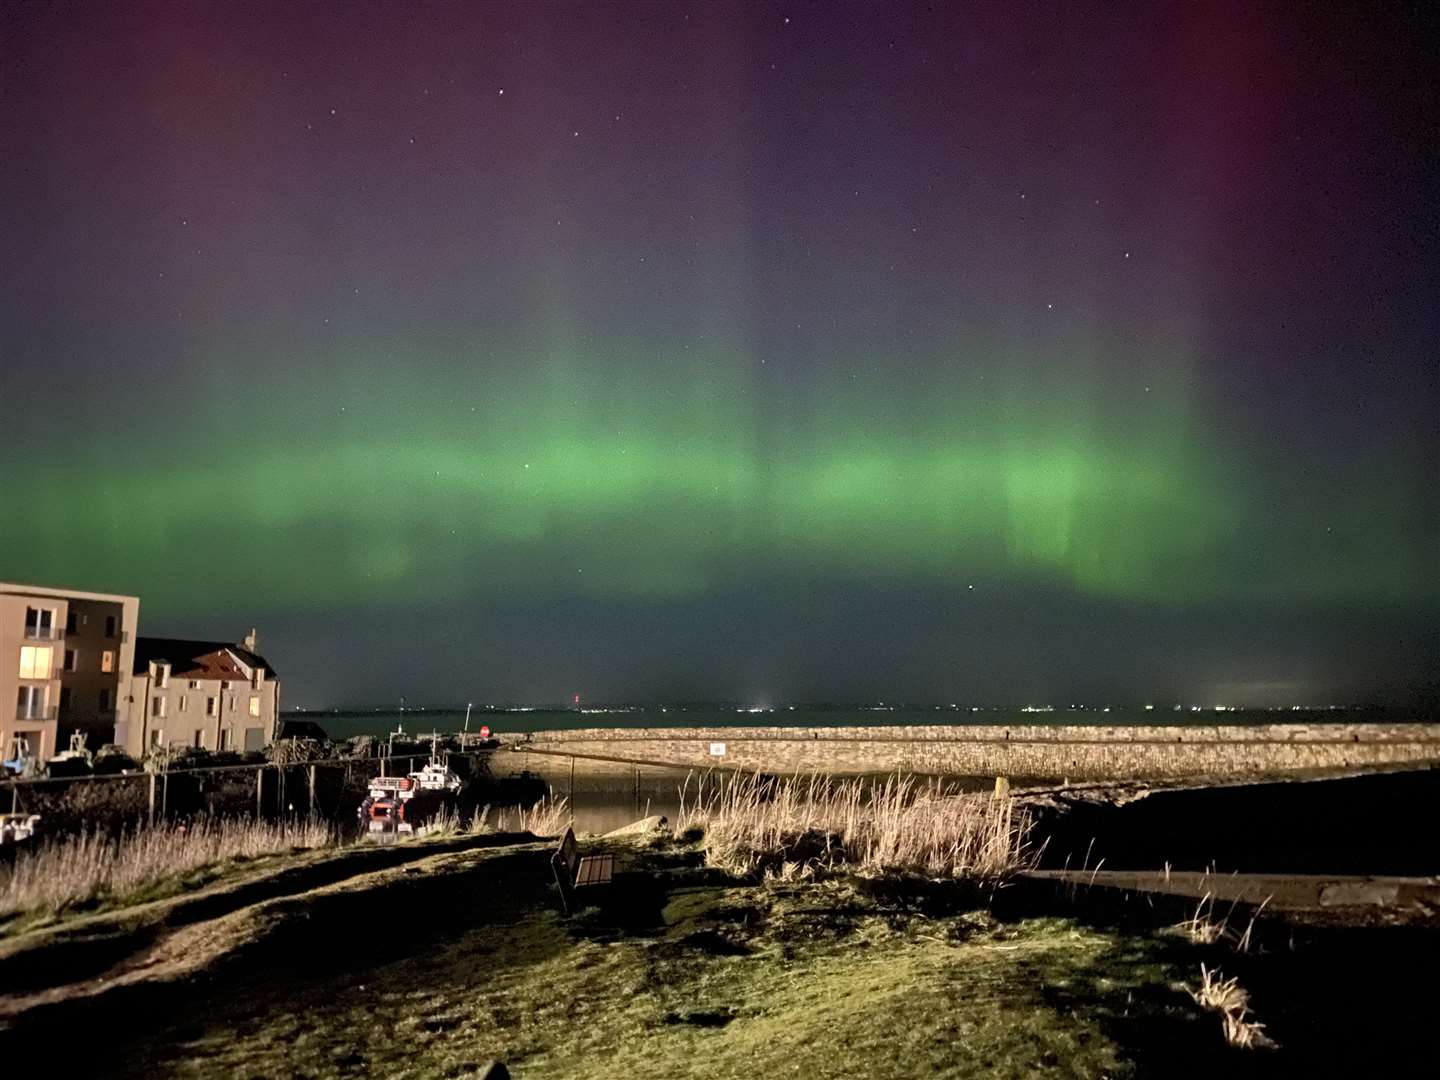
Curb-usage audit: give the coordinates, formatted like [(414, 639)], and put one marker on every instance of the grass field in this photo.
[(428, 959), (679, 972)]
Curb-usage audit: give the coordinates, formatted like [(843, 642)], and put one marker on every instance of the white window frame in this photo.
[(32, 670), (26, 709)]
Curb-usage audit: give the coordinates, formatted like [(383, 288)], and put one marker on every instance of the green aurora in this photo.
[(671, 479)]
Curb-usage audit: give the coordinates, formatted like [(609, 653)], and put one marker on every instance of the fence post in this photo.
[(314, 806), (259, 791), (152, 798)]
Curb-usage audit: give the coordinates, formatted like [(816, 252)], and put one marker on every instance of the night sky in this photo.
[(798, 351)]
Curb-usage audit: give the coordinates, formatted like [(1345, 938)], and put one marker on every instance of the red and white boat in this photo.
[(403, 803)]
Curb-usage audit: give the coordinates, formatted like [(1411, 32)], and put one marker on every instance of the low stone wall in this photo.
[(1066, 752)]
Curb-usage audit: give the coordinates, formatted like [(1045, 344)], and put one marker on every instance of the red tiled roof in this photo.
[(196, 659)]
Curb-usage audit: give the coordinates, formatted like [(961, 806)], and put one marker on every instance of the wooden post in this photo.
[(572, 784), (259, 791), (164, 794), (637, 791), (152, 798), (314, 806)]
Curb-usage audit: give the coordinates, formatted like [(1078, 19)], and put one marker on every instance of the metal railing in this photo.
[(26, 712)]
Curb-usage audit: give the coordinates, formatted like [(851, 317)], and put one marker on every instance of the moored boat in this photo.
[(403, 803)]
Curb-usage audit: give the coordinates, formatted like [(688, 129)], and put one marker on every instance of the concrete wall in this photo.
[(1067, 752)]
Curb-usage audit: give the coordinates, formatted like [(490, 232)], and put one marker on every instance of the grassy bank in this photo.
[(681, 974), (93, 868), (97, 869)]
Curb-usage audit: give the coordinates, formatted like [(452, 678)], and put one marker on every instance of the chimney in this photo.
[(251, 639)]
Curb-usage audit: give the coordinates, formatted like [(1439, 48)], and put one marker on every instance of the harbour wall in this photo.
[(1039, 752)]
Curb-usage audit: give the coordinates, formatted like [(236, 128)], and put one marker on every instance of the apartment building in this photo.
[(65, 661), (205, 694)]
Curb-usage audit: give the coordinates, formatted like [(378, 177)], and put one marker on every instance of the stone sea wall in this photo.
[(1062, 752)]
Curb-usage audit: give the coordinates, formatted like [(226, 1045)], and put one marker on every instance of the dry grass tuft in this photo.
[(93, 866), (548, 817), (1203, 928), (753, 826), (1232, 1002)]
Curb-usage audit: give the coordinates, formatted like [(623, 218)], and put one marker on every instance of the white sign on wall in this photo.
[(717, 749)]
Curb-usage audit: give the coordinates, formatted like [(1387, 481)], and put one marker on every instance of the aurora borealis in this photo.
[(787, 350)]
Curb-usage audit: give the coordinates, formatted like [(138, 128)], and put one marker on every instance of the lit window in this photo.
[(34, 662), (107, 661), (254, 704)]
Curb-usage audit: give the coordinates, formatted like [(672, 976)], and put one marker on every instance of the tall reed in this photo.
[(547, 817), (91, 866), (900, 825)]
